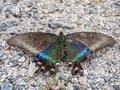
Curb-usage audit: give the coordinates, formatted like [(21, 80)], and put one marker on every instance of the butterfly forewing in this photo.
[(33, 42), (94, 41)]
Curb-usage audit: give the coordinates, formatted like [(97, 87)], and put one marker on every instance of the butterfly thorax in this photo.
[(61, 38), (62, 46)]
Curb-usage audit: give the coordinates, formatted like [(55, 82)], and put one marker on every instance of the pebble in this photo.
[(54, 25), (3, 56), (41, 87), (15, 1), (29, 4), (45, 11), (21, 59), (1, 72), (6, 86), (13, 62), (20, 88), (81, 80), (76, 87), (61, 77), (15, 11), (32, 69), (0, 35), (10, 78), (30, 88), (116, 87), (23, 72), (3, 27), (67, 27)]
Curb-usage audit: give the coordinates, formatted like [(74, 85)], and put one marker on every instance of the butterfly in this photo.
[(49, 49)]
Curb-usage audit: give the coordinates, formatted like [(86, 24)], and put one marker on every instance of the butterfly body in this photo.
[(50, 49)]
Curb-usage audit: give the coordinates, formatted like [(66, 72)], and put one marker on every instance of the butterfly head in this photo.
[(61, 37)]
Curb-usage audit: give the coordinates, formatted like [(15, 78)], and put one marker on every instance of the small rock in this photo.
[(41, 87), (23, 71), (0, 35), (35, 10), (15, 11), (61, 77), (13, 62), (22, 59), (29, 4), (12, 33), (2, 56), (80, 80), (1, 72), (6, 48), (15, 1), (45, 11), (116, 87), (54, 25), (20, 88), (7, 13), (6, 86), (67, 27), (32, 69), (10, 78), (66, 83), (3, 27), (30, 88), (76, 87), (13, 23), (4, 1)]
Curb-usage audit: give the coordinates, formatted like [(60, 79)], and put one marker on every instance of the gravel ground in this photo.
[(53, 16)]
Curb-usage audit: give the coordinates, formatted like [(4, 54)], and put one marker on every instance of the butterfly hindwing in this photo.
[(51, 53), (76, 51)]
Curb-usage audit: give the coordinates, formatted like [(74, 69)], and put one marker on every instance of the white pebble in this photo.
[(15, 11)]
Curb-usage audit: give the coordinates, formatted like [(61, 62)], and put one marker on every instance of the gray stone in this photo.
[(21, 59), (15, 1), (1, 71), (20, 88), (76, 87), (29, 4), (13, 62), (116, 87), (54, 25), (3, 56), (15, 11), (6, 86)]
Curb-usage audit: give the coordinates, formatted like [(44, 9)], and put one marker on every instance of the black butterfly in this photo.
[(50, 49)]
